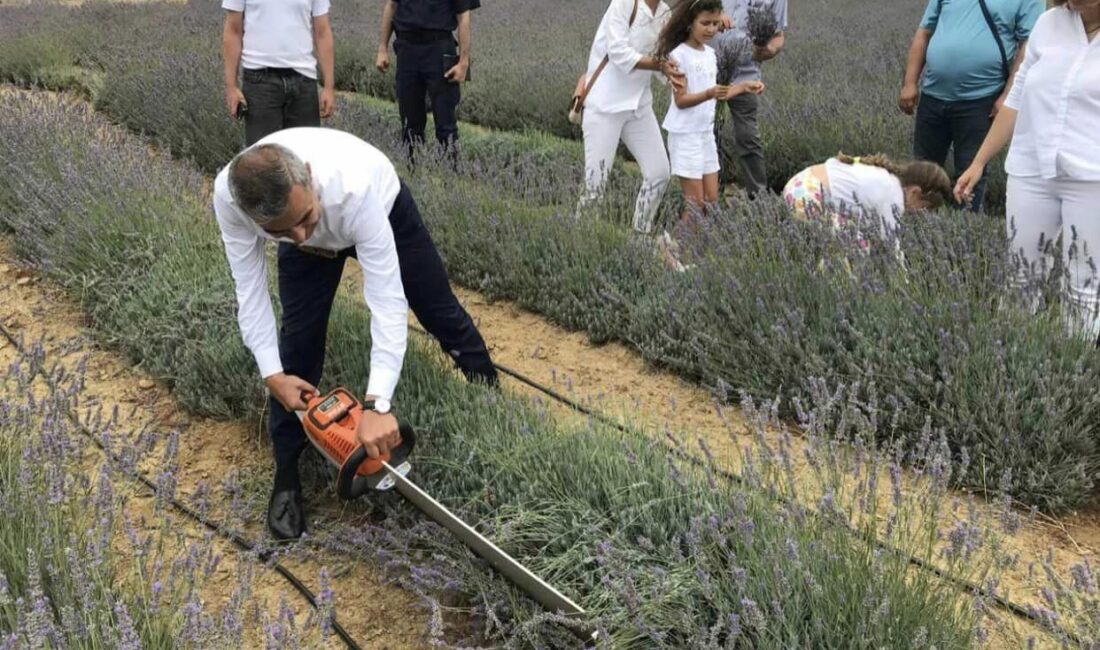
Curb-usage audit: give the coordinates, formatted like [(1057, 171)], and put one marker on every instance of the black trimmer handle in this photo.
[(351, 485)]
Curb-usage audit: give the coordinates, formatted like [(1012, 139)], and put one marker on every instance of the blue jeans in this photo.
[(940, 124), (307, 288)]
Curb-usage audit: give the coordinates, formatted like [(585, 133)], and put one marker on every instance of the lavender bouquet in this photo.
[(732, 51), (762, 23)]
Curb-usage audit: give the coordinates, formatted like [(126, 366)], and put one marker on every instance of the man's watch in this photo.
[(380, 405)]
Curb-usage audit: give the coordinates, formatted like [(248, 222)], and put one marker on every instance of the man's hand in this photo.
[(457, 74), (763, 53), (288, 390), (328, 102), (910, 95), (378, 433), (727, 22), (234, 98), (382, 61)]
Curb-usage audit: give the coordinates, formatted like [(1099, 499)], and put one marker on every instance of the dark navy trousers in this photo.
[(420, 70), (307, 288)]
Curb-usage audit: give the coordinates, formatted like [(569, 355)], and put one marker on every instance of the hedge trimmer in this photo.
[(330, 422)]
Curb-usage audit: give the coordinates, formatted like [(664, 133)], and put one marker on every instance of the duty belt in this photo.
[(424, 36)]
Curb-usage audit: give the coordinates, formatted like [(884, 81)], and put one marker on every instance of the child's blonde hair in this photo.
[(933, 181)]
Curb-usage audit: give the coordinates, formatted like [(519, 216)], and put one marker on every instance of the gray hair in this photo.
[(260, 180)]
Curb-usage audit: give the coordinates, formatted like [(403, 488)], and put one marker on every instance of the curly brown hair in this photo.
[(679, 24)]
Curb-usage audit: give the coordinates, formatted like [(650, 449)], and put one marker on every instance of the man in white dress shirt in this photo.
[(325, 196)]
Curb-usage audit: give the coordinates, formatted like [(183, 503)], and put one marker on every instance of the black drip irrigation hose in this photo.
[(1008, 606), (239, 541)]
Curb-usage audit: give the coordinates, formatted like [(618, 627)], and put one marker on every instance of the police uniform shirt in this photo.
[(436, 15)]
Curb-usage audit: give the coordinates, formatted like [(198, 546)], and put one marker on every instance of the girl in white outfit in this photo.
[(1052, 117), (690, 118), (869, 187), (619, 105)]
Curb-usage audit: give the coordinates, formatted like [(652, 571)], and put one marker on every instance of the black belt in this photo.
[(281, 72), (424, 36)]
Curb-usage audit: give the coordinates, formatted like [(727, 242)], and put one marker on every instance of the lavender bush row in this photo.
[(822, 97), (758, 317), (78, 569), (664, 556)]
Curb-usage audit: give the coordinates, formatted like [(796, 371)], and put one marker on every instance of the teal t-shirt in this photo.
[(963, 60)]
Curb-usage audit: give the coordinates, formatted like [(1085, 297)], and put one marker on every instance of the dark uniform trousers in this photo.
[(278, 98), (420, 70), (307, 287)]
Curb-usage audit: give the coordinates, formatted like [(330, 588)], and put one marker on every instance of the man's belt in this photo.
[(320, 252), (424, 36), (279, 72)]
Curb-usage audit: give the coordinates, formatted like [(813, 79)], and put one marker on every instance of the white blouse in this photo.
[(620, 87), (1057, 92)]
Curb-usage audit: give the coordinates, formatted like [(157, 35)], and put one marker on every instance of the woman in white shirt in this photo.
[(1052, 117), (845, 187), (619, 105)]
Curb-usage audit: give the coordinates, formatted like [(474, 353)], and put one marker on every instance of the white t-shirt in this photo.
[(279, 33), (357, 187), (1057, 91), (620, 86), (701, 69), (865, 190)]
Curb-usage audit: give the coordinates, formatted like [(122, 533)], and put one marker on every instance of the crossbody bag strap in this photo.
[(1005, 70), (603, 64)]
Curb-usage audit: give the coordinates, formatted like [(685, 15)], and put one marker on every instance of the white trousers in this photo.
[(1039, 210), (639, 131)]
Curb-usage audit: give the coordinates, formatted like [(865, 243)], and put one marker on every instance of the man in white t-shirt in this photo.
[(326, 196), (274, 43)]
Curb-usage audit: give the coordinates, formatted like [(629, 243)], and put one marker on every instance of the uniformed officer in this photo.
[(430, 62)]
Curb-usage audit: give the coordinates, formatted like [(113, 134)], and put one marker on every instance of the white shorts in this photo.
[(693, 155)]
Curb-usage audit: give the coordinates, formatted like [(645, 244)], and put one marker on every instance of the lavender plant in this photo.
[(64, 582), (589, 277), (732, 51), (762, 25), (664, 554), (821, 99)]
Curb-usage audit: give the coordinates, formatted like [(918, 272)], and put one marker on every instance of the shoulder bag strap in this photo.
[(603, 64), (1005, 70)]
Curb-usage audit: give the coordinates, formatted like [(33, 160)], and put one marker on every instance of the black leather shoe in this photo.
[(286, 514)]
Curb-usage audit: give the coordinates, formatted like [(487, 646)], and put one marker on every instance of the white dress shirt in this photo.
[(356, 186), (620, 86), (279, 34), (1057, 92)]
